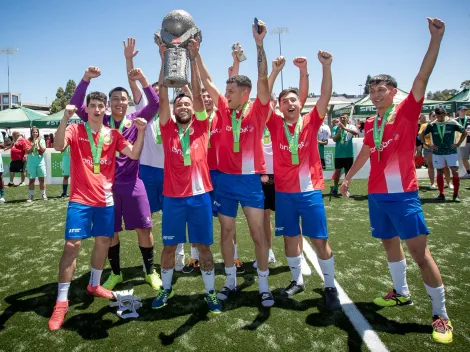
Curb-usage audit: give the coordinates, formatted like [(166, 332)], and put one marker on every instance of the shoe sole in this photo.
[(267, 303), (409, 303)]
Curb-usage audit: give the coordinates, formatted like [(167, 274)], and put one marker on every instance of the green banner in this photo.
[(329, 158), (56, 164)]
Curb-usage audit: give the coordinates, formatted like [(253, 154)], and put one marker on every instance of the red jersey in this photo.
[(180, 180), (250, 158), (396, 170), (19, 149), (87, 187), (214, 138), (307, 175)]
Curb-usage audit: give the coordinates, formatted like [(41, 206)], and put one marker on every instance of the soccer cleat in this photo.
[(44, 197), (179, 265), (99, 291), (393, 299), (239, 265), (11, 184), (432, 187), (162, 298), (271, 258), (63, 195), (113, 280), (213, 302), (441, 330), (331, 299), (192, 265), (21, 184), (30, 199), (267, 299), (292, 289), (305, 268), (2, 200), (456, 198), (440, 198), (58, 315), (224, 293), (154, 280)]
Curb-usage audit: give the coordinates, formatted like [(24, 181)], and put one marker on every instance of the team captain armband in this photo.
[(201, 115)]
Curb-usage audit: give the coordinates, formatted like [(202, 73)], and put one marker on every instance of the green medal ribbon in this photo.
[(95, 149), (121, 126), (236, 124), (343, 136), (266, 136), (464, 124), (294, 140), (158, 134), (211, 117), (441, 129), (185, 143), (379, 134)]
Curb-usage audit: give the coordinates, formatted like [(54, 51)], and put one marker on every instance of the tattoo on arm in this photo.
[(262, 62)]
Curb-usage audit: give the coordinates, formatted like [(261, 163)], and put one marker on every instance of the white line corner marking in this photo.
[(362, 326)]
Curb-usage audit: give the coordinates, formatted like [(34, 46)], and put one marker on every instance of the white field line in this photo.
[(362, 326)]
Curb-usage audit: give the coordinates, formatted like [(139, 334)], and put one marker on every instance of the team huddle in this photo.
[(204, 157)]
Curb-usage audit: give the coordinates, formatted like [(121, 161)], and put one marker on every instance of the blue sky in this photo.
[(57, 40)]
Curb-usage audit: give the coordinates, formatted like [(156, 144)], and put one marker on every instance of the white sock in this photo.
[(270, 253), (95, 277), (398, 272), (235, 251), (231, 277), (208, 277), (167, 276), (328, 270), (180, 249), (194, 253), (438, 300), (263, 281), (31, 192), (63, 291), (43, 192), (296, 269)]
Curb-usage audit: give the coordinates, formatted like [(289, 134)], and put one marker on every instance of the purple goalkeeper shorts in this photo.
[(132, 204)]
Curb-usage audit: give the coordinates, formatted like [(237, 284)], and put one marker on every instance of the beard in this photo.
[(183, 118)]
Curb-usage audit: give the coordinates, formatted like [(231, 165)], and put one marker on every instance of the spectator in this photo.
[(18, 148), (36, 166)]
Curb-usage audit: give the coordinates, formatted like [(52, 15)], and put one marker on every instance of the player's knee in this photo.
[(170, 249), (71, 249)]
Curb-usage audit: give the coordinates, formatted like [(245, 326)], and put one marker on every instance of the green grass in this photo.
[(31, 244)]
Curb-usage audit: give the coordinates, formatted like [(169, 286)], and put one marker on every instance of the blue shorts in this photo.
[(152, 177), (83, 221), (427, 151), (214, 176), (195, 211), (396, 214), (305, 205), (232, 189)]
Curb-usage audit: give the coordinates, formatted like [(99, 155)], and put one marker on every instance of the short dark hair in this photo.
[(96, 96), (287, 91), (388, 80), (440, 111), (240, 81), (154, 84), (181, 96), (118, 89)]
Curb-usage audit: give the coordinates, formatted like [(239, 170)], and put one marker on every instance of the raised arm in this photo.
[(133, 151), (206, 80), (277, 66), (301, 63), (129, 54), (60, 143), (234, 70), (78, 96), (263, 86), (325, 59), (149, 111), (198, 103), (165, 112), (436, 27)]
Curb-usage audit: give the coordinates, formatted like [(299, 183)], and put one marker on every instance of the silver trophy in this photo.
[(177, 30)]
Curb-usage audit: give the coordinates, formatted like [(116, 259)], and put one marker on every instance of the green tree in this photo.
[(366, 87), (63, 97), (441, 94), (465, 84)]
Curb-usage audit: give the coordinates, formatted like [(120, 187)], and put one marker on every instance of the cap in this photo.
[(461, 108)]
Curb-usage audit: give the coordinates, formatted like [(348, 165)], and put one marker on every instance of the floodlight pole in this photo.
[(279, 31), (8, 52)]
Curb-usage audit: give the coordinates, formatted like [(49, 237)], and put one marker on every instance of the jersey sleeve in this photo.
[(70, 133), (315, 119), (428, 129), (459, 127), (222, 104), (409, 109), (148, 111), (368, 140), (260, 111), (273, 122)]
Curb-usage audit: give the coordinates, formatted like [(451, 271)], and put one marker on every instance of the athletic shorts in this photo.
[(84, 221), (132, 205), (441, 161), (195, 211), (269, 192), (427, 151), (36, 170), (214, 176), (305, 206), (152, 177), (234, 189), (343, 163), (396, 214), (17, 166), (464, 152)]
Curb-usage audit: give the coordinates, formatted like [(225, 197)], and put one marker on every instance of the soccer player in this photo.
[(65, 171), (242, 124), (18, 148), (2, 184), (394, 206), (343, 134), (36, 165), (130, 198), (464, 151), (299, 181), (444, 150), (186, 184), (91, 209)]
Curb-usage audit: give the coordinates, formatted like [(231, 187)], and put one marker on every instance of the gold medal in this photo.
[(96, 168)]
